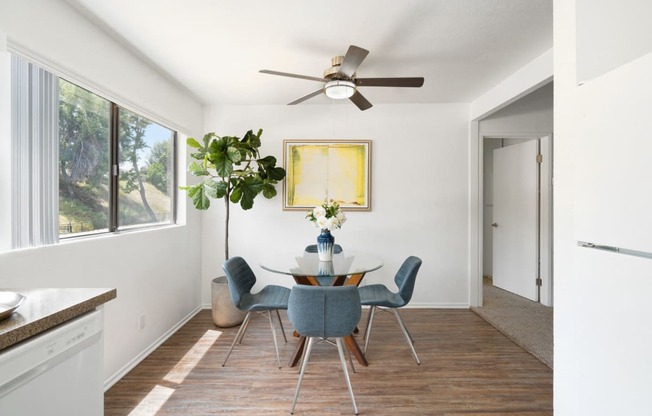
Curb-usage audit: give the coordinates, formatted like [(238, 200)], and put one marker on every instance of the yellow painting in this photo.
[(327, 171)]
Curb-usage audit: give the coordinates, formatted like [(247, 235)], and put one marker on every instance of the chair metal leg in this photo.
[(367, 331), (241, 330), (407, 335), (271, 325), (244, 327), (281, 322), (304, 364), (340, 349)]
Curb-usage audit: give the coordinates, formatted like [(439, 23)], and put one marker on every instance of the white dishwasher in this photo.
[(56, 373)]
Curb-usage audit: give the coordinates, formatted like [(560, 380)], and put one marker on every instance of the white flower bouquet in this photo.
[(327, 216)]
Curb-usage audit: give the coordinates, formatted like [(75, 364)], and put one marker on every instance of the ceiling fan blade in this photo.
[(287, 74), (359, 100), (415, 82), (307, 97), (352, 60)]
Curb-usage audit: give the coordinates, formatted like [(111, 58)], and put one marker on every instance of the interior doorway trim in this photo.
[(476, 211)]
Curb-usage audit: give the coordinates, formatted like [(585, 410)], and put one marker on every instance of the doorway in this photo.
[(517, 227)]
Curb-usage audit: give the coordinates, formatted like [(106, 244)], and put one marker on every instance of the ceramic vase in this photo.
[(325, 243)]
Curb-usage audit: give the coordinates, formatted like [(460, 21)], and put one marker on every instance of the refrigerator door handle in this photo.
[(613, 249)]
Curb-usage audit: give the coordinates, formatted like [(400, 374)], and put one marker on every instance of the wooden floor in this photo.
[(467, 368)]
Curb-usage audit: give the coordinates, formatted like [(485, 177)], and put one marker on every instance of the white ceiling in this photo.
[(215, 48)]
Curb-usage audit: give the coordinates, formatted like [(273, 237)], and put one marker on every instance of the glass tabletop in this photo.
[(307, 264)]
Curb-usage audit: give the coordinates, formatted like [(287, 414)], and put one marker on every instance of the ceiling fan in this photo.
[(340, 81)]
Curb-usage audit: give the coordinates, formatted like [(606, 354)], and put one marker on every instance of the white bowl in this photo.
[(9, 302)]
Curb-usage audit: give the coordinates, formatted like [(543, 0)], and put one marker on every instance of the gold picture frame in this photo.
[(318, 171)]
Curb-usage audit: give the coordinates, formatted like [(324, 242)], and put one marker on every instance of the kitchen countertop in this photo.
[(46, 308)]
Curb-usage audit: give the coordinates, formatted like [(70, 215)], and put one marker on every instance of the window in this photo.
[(84, 160), (145, 157), (115, 167)]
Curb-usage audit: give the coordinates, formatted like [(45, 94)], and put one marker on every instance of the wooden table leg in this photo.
[(298, 352), (354, 280), (352, 344)]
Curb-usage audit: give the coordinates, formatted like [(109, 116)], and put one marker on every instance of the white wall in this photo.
[(156, 272), (532, 113), (523, 81), (420, 191), (602, 194)]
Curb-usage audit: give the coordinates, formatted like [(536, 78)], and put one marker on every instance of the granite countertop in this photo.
[(46, 308)]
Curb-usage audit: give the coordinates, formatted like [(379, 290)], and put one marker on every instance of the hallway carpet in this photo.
[(529, 324)]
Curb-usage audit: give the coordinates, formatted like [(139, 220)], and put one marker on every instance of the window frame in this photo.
[(114, 175)]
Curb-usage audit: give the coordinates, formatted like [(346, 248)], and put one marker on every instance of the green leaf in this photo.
[(190, 190), (268, 161), (223, 165), (276, 174), (210, 188), (233, 154), (269, 191), (193, 143), (251, 187), (198, 196), (198, 155), (253, 139), (208, 137), (236, 194), (198, 169), (220, 189)]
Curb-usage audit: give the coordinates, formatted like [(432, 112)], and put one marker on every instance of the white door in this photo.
[(515, 222)]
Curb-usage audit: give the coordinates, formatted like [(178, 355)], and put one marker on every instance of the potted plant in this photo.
[(234, 171)]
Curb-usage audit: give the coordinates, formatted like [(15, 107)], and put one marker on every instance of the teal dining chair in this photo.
[(321, 312), (379, 296), (324, 281), (270, 299), (337, 249)]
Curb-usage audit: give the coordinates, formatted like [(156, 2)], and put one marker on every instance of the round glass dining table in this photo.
[(306, 268), (346, 268)]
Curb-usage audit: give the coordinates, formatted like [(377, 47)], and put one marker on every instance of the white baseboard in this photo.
[(140, 357)]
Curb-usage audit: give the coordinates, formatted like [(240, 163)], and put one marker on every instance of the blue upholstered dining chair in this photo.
[(324, 281), (319, 312), (379, 296), (270, 299), (337, 249)]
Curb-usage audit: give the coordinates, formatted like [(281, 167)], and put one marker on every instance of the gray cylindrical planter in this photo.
[(225, 314)]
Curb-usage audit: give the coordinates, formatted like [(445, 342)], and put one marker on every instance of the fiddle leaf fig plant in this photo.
[(233, 171)]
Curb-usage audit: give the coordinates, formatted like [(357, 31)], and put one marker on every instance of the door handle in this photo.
[(495, 225)]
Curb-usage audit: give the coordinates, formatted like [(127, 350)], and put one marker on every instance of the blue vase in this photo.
[(325, 243)]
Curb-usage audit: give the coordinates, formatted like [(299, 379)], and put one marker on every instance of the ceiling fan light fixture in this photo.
[(339, 90)]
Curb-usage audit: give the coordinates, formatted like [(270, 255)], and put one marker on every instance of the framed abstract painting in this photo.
[(319, 171)]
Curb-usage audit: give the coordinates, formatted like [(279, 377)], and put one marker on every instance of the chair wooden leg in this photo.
[(340, 350), (407, 334), (238, 335), (304, 364)]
